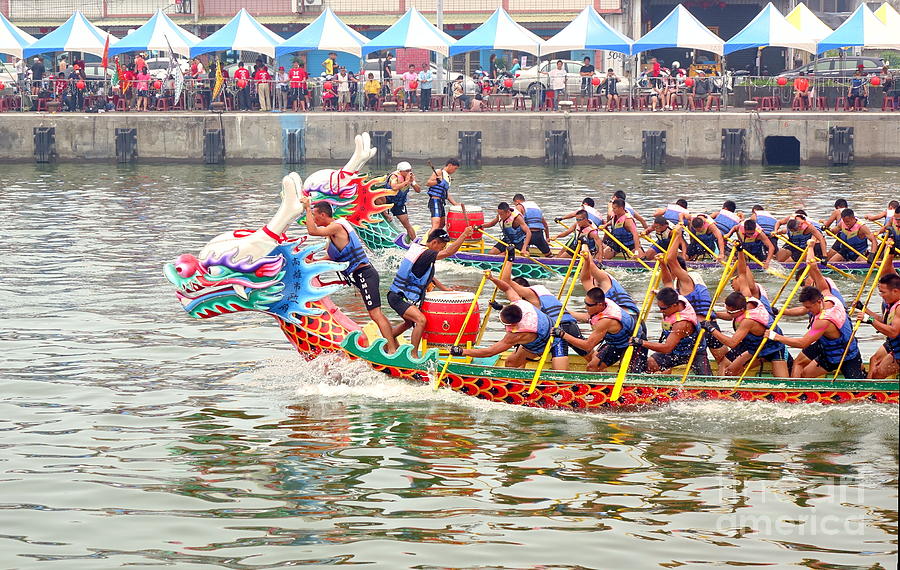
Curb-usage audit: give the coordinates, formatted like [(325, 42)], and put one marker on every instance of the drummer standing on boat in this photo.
[(439, 193), (401, 181), (414, 276), (344, 245)]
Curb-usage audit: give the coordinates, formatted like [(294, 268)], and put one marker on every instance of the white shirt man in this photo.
[(558, 82)]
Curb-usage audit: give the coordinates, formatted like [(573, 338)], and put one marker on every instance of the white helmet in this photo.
[(675, 65), (404, 166)]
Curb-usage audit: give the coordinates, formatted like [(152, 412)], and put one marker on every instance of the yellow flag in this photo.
[(220, 80)]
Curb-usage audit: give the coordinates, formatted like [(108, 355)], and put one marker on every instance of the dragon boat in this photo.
[(265, 271)]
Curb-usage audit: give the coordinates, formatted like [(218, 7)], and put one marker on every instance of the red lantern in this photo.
[(157, 85), (413, 84), (327, 86), (689, 82), (595, 81), (80, 84), (508, 83), (241, 83), (2, 86), (876, 81), (782, 81)]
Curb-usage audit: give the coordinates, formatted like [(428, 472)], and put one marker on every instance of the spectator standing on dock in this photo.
[(329, 63), (263, 79), (387, 74), (242, 77), (37, 76), (410, 81), (426, 78), (558, 83), (609, 87), (586, 72), (492, 66), (343, 89), (143, 89), (858, 91), (281, 88)]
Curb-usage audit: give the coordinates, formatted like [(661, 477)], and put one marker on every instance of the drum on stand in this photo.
[(445, 312), (457, 222)]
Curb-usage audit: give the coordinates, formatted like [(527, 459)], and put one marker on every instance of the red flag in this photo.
[(105, 62)]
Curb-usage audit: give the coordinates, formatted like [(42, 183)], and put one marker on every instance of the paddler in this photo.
[(754, 240), (856, 235), (620, 195), (415, 274), (401, 181), (839, 206), (705, 230), (534, 217), (588, 206), (527, 330), (824, 343), (691, 287), (546, 302), (593, 275), (884, 218), (344, 245), (674, 213), (622, 227), (892, 227), (751, 320), (516, 233), (744, 283), (799, 231), (661, 234), (885, 363), (726, 218), (585, 230), (679, 332), (611, 328), (439, 193)]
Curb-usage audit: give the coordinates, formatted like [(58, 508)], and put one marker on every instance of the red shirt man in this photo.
[(297, 75), (262, 74), (242, 73)]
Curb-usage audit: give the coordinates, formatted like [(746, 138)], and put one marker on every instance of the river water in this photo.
[(133, 435)]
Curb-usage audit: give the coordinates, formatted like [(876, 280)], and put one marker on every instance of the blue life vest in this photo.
[(835, 292), (594, 216), (752, 341), (700, 299), (406, 282), (401, 196), (833, 348), (622, 338), (799, 238), (706, 236), (725, 220), (621, 232), (766, 221), (753, 244), (893, 343), (512, 234), (441, 190), (620, 296), (353, 253), (543, 328), (550, 305), (534, 216), (673, 213), (853, 238), (686, 345)]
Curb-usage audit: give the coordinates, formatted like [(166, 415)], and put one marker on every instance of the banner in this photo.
[(220, 79), (175, 69)]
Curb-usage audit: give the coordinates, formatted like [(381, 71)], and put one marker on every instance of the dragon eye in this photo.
[(216, 270)]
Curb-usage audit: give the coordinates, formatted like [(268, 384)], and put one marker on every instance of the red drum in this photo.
[(456, 222), (445, 312)]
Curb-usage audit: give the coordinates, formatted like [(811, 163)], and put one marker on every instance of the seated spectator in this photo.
[(802, 91), (700, 92), (372, 88), (609, 87), (459, 93)]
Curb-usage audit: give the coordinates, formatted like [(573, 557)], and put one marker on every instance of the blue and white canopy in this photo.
[(77, 34), (861, 29), (411, 31), (154, 35), (326, 33), (242, 33), (808, 23), (682, 30), (770, 28), (889, 17), (12, 39), (588, 31), (500, 31)]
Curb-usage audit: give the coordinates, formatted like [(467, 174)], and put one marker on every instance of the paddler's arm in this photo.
[(780, 223), (867, 233), (599, 277), (527, 230), (890, 331), (819, 281), (516, 292), (812, 335), (734, 340), (438, 285), (433, 179), (680, 330), (457, 243), (720, 239), (452, 201), (817, 235), (566, 232), (492, 223), (508, 341), (638, 250), (598, 333), (311, 227), (641, 219), (770, 250)]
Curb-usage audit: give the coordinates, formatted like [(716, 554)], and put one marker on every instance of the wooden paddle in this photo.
[(850, 247), (562, 312), (773, 325), (730, 266)]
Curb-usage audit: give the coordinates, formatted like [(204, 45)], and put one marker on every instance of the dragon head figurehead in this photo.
[(261, 270), (351, 195)]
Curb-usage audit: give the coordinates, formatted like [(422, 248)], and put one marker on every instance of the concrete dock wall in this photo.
[(506, 137)]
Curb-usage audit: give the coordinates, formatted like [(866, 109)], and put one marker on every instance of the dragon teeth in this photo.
[(241, 291)]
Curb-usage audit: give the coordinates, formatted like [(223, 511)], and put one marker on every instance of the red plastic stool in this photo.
[(889, 102)]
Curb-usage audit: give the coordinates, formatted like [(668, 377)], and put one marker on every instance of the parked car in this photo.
[(158, 66), (837, 66), (528, 80)]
